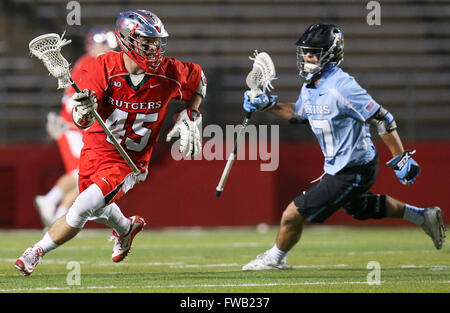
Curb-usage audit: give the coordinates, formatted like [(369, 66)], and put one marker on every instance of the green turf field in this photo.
[(328, 259)]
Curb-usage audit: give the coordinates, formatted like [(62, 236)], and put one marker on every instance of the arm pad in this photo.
[(383, 121), (202, 86)]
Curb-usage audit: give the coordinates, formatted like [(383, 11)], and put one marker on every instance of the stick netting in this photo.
[(263, 72), (47, 48)]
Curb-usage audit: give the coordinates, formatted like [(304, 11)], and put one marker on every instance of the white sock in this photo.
[(60, 211), (112, 216), (55, 195), (46, 243), (277, 254), (414, 214)]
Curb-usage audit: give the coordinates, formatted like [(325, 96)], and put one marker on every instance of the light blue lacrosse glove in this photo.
[(405, 167), (262, 102)]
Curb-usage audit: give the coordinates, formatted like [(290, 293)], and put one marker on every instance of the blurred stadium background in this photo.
[(404, 63)]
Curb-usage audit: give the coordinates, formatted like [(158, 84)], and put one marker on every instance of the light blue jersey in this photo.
[(337, 111)]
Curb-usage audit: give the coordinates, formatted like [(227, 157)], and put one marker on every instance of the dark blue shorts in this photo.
[(344, 189)]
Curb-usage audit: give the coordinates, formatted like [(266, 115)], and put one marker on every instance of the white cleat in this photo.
[(29, 260), (434, 226), (45, 209), (265, 262), (122, 244)]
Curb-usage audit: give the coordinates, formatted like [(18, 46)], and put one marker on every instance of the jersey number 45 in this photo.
[(137, 139)]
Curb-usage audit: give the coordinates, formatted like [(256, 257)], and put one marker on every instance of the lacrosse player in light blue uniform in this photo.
[(338, 109), (340, 113)]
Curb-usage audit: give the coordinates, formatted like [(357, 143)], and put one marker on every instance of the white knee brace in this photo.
[(84, 206)]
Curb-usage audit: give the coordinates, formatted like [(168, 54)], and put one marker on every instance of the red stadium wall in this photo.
[(181, 193)]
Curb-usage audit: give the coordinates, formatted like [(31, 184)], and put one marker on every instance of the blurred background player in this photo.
[(340, 112), (56, 202), (130, 90)]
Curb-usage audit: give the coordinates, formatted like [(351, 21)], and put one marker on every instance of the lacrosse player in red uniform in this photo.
[(131, 90), (69, 138)]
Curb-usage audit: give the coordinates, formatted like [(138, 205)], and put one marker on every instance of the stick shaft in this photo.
[(116, 144), (232, 157)]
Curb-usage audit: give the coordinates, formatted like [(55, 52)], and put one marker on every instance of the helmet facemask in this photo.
[(148, 50), (305, 67)]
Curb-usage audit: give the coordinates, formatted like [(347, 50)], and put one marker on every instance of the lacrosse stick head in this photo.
[(47, 48), (259, 80)]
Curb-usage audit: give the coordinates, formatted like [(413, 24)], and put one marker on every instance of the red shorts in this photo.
[(113, 177), (70, 144)]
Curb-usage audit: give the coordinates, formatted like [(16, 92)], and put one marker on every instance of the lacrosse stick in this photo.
[(47, 48), (259, 81)]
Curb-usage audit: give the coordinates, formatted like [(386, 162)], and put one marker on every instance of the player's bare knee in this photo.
[(291, 216)]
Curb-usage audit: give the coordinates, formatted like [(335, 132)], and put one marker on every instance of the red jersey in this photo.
[(66, 110), (134, 114)]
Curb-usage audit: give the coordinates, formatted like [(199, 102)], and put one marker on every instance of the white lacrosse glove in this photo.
[(56, 125), (187, 127), (84, 103)]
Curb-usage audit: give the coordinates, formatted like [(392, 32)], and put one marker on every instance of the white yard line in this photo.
[(204, 265), (186, 265), (353, 253), (45, 261), (430, 267), (319, 266), (212, 285), (170, 264), (176, 246)]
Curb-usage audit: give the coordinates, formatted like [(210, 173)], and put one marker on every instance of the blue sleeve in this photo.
[(357, 102)]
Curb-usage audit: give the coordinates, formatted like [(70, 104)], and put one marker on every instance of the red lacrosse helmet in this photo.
[(142, 36)]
